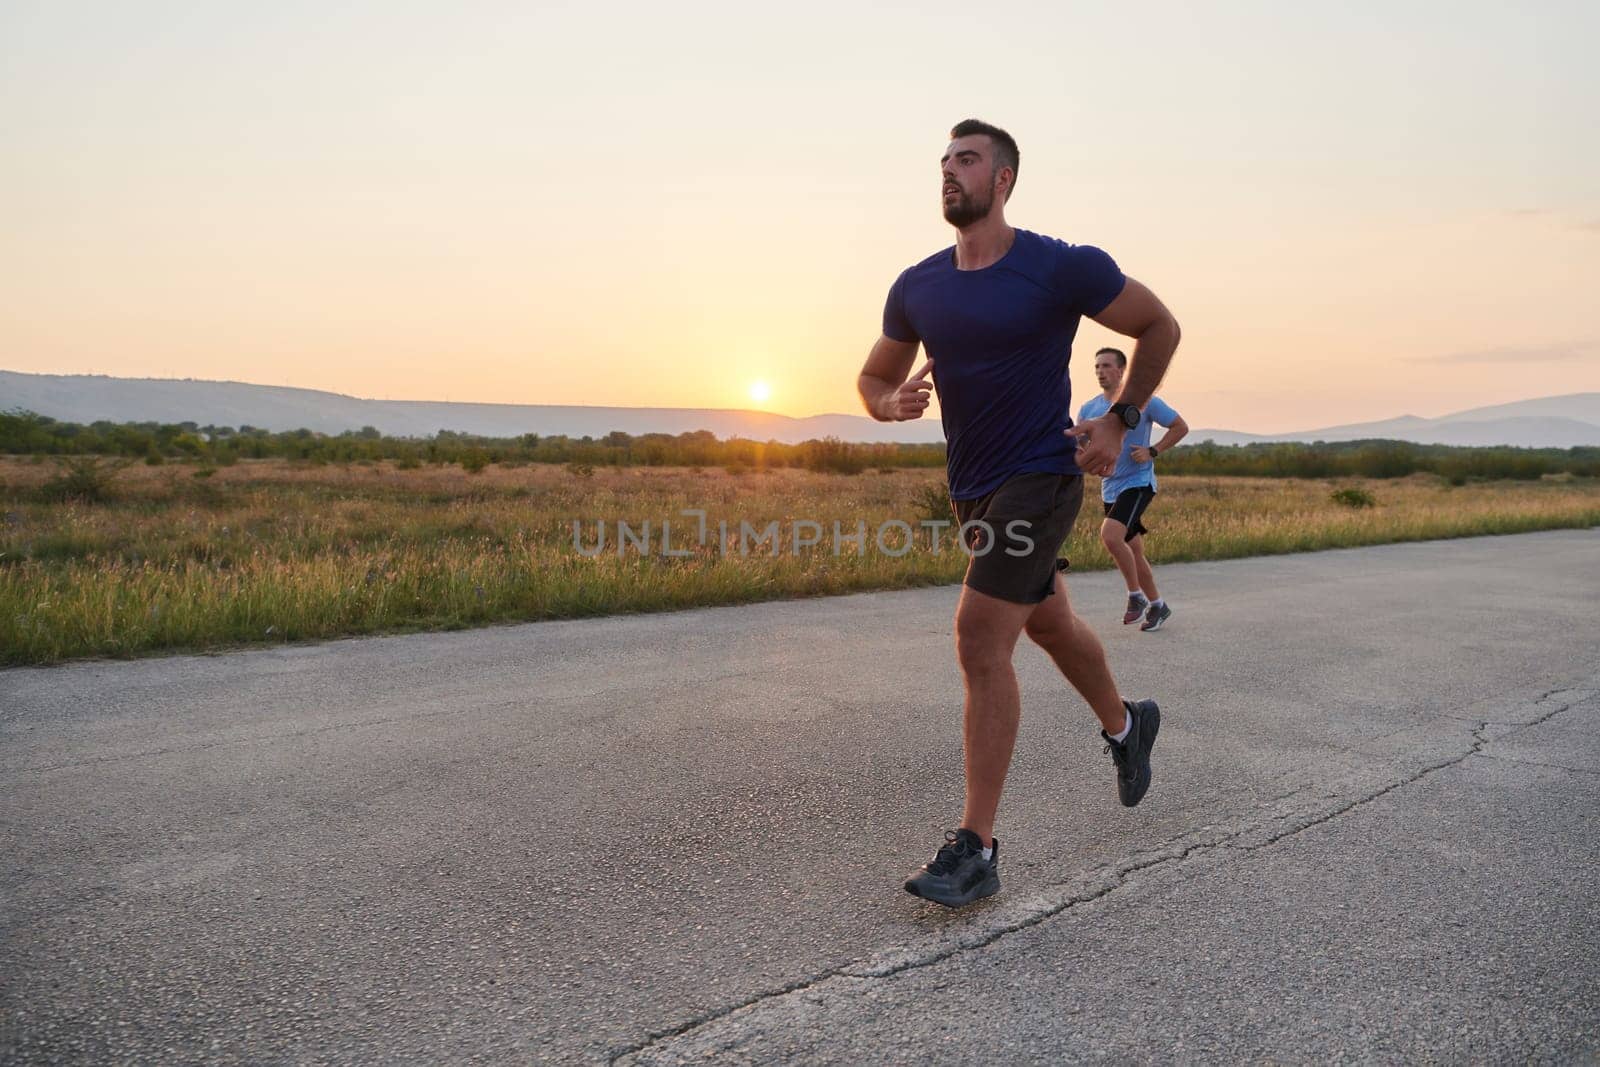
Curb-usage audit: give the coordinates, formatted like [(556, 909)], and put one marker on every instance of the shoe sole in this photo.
[(986, 888)]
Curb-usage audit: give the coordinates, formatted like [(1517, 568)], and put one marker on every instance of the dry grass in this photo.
[(269, 551)]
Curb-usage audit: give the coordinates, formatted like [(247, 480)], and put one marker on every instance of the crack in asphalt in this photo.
[(1535, 763), (1115, 879), (1478, 742)]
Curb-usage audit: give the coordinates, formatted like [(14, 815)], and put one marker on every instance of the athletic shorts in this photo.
[(1013, 534), (1128, 509)]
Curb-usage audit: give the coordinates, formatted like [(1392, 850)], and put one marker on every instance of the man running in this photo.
[(997, 313), (1130, 488)]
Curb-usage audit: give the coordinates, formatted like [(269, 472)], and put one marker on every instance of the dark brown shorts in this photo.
[(1014, 533)]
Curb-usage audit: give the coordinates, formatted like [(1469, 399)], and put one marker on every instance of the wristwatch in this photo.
[(1154, 452), (1128, 413)]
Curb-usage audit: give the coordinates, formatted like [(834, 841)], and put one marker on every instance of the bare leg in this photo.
[(1112, 533), (1069, 641), (1147, 577), (986, 635)]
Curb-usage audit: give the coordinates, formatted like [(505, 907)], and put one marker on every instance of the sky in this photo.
[(1355, 212)]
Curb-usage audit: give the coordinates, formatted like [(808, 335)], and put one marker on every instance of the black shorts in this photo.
[(1128, 509), (1014, 533)]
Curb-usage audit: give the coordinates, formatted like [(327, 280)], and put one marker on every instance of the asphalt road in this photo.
[(1372, 835)]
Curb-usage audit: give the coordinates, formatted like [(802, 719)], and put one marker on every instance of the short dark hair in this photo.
[(1006, 153), (1122, 357)]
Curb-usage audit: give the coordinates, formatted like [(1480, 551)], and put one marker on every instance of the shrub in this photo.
[(85, 478), (932, 501), (189, 444), (474, 460), (581, 470), (1353, 497), (834, 455)]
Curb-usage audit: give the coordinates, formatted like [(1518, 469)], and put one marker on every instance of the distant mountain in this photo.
[(1581, 407), (90, 398), (1547, 422)]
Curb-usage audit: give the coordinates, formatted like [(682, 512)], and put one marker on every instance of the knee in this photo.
[(979, 649), (1111, 538), (1046, 630), (1056, 634)]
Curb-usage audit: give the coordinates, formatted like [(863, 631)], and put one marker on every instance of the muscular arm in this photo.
[(883, 386), (1138, 313), (1134, 313)]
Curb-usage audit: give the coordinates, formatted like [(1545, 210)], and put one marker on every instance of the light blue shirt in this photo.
[(1127, 474)]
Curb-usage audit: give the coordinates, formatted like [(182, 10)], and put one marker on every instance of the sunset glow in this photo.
[(558, 204)]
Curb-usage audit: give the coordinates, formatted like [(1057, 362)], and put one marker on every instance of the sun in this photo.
[(760, 392)]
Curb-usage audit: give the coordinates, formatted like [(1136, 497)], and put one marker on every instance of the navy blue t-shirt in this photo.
[(1000, 339)]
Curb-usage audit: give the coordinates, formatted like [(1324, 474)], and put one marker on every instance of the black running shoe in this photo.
[(958, 874), (1132, 757), (1159, 613)]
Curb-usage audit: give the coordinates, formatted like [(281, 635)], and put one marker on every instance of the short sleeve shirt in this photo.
[(1127, 474), (1000, 339)]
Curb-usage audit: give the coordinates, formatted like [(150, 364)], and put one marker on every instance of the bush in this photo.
[(1353, 497), (408, 463), (85, 478), (474, 460), (832, 455), (932, 501), (581, 470)]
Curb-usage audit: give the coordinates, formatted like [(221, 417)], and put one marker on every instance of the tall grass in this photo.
[(266, 551)]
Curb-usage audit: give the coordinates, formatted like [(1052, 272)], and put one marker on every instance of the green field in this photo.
[(176, 557)]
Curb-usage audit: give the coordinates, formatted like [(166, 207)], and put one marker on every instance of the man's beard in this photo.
[(967, 210)]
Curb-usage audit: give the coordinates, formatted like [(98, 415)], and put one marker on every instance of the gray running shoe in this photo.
[(1136, 606), (958, 874), (1158, 615), (1132, 756)]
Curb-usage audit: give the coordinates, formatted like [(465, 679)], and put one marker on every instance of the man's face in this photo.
[(1107, 371), (968, 169)]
